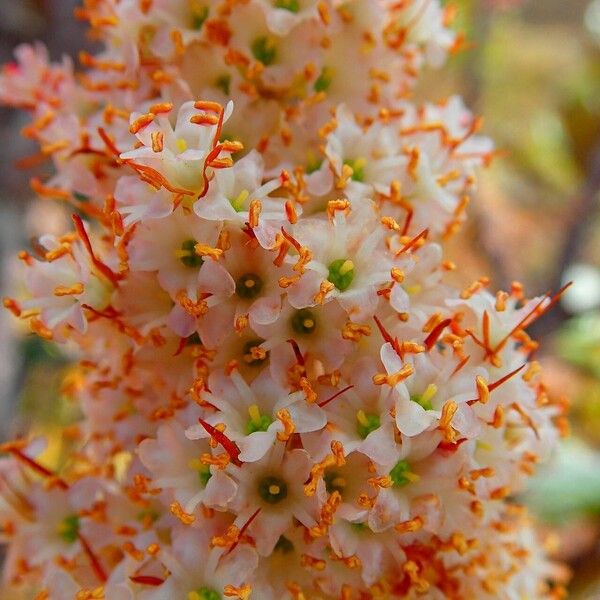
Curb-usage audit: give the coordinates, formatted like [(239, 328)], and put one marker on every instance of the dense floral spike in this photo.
[(281, 396)]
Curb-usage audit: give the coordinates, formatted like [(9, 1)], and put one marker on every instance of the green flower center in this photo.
[(204, 593), (264, 49), (80, 197), (272, 490), (359, 527), (257, 421), (204, 473), (250, 358), (400, 474), (69, 529), (426, 404), (187, 255), (223, 82), (324, 79), (366, 423), (304, 321), (239, 203), (313, 164), (424, 399), (284, 545), (341, 273), (291, 5), (147, 515), (358, 168), (248, 286)]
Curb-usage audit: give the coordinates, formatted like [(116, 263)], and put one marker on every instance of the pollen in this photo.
[(141, 122)]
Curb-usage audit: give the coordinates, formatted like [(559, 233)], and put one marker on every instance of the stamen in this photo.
[(96, 565), (184, 517), (254, 213), (410, 526), (141, 122), (229, 446), (289, 427), (150, 580), (253, 354), (331, 398), (432, 338), (242, 592), (157, 138)]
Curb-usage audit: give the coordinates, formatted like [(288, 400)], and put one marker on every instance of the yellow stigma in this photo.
[(254, 413), (238, 202), (181, 145), (346, 267), (196, 464), (308, 323), (429, 393), (182, 253), (193, 596), (249, 283), (274, 489), (197, 8), (362, 418), (413, 289), (339, 482)]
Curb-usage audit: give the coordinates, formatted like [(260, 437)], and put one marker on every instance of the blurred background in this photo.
[(534, 73)]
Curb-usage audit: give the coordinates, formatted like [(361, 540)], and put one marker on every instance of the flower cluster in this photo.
[(281, 394)]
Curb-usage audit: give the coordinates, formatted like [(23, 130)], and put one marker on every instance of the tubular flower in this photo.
[(281, 394)]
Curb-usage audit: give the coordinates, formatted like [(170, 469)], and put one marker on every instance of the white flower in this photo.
[(196, 572), (348, 264), (180, 159), (236, 191), (430, 382), (274, 485), (256, 416), (64, 283), (175, 463)]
